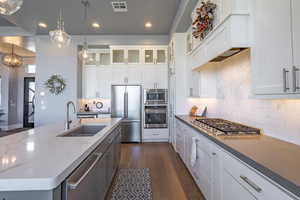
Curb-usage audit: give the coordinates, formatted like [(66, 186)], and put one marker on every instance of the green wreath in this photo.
[(56, 84)]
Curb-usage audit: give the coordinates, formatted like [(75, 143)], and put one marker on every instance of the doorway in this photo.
[(29, 102)]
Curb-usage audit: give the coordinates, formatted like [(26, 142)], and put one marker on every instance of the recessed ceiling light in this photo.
[(42, 25), (95, 25), (148, 25)]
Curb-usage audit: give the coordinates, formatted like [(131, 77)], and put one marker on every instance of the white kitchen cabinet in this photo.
[(246, 182), (161, 55), (155, 77), (193, 78), (103, 83), (275, 52), (232, 189), (219, 174), (156, 135), (296, 44), (180, 140), (149, 56), (272, 48), (157, 55), (118, 55), (133, 56), (125, 55), (89, 78)]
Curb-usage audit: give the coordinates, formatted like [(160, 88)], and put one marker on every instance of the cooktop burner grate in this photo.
[(221, 126)]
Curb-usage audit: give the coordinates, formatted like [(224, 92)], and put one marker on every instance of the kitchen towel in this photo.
[(193, 151)]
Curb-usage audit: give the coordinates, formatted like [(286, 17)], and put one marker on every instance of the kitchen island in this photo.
[(39, 160)]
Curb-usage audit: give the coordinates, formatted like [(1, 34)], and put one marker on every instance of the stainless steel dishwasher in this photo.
[(88, 181)]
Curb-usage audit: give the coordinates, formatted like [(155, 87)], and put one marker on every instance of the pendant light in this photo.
[(9, 7), (59, 36), (83, 54), (12, 60)]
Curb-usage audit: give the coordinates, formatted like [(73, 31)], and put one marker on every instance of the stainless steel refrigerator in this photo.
[(126, 102)]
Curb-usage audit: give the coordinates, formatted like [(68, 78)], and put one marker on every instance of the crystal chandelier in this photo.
[(12, 60), (59, 36), (83, 54), (9, 7)]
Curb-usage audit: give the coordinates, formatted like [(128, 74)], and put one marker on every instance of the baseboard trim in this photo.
[(11, 127)]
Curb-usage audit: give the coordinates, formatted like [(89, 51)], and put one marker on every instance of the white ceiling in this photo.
[(160, 12)]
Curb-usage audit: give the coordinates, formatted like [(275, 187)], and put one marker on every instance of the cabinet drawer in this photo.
[(255, 183), (156, 133)]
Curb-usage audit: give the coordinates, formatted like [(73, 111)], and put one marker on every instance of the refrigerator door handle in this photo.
[(126, 105)]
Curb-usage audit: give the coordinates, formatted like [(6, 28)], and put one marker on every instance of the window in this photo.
[(30, 69)]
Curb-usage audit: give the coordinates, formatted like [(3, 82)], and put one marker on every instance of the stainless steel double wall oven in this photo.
[(156, 108)]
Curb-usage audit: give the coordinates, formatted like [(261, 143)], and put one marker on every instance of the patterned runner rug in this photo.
[(132, 184)]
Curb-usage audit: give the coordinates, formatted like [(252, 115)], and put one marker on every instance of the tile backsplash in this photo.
[(277, 118), (92, 104)]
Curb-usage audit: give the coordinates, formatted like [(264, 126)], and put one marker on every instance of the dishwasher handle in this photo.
[(72, 185)]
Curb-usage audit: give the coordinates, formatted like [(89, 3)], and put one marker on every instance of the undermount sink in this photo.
[(83, 131)]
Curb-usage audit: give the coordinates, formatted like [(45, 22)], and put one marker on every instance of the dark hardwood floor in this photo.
[(170, 178)]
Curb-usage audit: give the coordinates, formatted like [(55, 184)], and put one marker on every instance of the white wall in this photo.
[(52, 60), (277, 118)]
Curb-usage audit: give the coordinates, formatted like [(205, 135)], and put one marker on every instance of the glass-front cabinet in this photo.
[(149, 56), (161, 56), (118, 56), (133, 56), (130, 55), (155, 56)]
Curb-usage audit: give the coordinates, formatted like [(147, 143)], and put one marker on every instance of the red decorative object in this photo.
[(203, 24)]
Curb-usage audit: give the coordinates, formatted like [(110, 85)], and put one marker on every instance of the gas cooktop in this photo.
[(224, 127)]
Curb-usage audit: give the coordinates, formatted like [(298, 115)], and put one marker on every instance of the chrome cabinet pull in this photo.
[(285, 85), (295, 79), (251, 183)]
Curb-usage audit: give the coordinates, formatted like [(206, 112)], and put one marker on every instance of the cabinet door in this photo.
[(296, 44), (148, 56), (103, 84), (161, 77), (134, 75), (119, 75), (232, 189), (89, 81), (193, 83), (133, 56), (161, 56), (272, 47), (149, 76), (216, 174), (118, 56)]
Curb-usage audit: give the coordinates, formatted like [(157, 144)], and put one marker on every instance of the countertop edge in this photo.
[(50, 183), (283, 182)]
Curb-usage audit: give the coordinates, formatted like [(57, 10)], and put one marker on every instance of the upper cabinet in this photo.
[(126, 55), (138, 55), (155, 55), (276, 48)]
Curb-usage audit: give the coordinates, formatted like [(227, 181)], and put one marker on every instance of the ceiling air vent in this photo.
[(119, 6)]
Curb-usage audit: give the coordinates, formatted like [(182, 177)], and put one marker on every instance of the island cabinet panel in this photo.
[(90, 180), (276, 49)]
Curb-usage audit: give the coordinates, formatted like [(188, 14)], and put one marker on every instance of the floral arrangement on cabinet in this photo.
[(203, 23)]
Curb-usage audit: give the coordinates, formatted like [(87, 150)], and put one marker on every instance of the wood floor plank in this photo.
[(170, 179)]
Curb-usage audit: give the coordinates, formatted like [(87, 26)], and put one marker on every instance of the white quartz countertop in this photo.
[(39, 160)]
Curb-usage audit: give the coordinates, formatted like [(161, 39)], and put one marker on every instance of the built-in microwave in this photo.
[(156, 96)]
